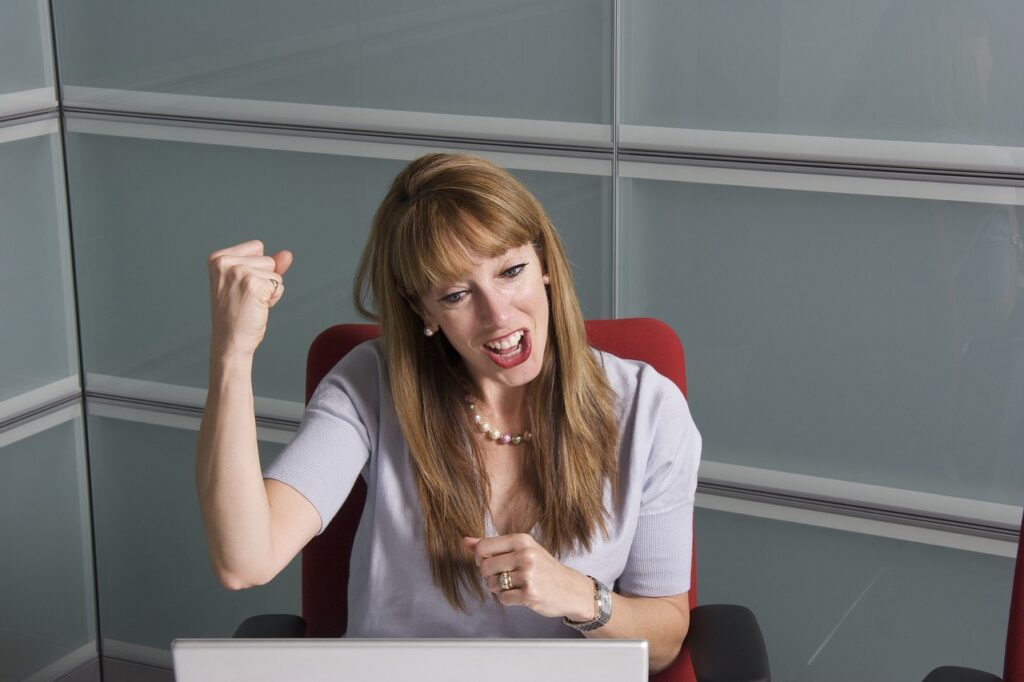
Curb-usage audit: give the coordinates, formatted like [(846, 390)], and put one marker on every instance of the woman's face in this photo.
[(496, 317)]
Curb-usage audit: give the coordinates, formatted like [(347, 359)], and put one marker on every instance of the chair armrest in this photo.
[(271, 626), (726, 645), (952, 673)]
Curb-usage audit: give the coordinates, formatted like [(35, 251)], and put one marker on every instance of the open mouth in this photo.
[(509, 350)]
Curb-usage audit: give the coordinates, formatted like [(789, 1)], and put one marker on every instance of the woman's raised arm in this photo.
[(253, 527)]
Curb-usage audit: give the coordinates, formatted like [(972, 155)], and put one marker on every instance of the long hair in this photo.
[(441, 212)]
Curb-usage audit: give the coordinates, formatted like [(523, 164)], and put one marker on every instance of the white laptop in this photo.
[(409, 660)]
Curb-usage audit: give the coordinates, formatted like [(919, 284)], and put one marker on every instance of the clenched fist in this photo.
[(244, 286)]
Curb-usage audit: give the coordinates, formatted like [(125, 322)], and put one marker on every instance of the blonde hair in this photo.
[(441, 211)]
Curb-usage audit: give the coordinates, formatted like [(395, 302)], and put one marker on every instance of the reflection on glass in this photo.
[(37, 336), (155, 579), (46, 573), (24, 46), (509, 58), (846, 607), (926, 70), (869, 339), (147, 214)]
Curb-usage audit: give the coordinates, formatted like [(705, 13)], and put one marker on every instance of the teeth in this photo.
[(510, 341)]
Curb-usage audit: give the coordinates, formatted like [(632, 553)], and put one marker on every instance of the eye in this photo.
[(452, 298), (513, 271)]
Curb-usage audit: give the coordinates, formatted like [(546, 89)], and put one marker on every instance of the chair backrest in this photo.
[(325, 560)]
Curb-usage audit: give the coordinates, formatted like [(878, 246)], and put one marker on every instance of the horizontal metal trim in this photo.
[(35, 115), (295, 141), (24, 405), (895, 530), (414, 123), (939, 189), (65, 664), (35, 126), (823, 167), (136, 653), (170, 397), (27, 102), (176, 417), (875, 180), (858, 498), (36, 423), (854, 509), (324, 132), (903, 153)]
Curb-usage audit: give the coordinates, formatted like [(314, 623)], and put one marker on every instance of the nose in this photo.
[(492, 307)]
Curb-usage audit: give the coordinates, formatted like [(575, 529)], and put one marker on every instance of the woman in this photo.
[(502, 454)]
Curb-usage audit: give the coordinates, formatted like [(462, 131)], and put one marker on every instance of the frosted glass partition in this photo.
[(524, 62), (922, 70), (155, 580), (37, 335), (148, 212), (845, 607), (839, 333), (46, 574), (25, 49)]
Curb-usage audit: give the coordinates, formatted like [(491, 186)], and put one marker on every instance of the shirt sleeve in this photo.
[(336, 436), (668, 446)]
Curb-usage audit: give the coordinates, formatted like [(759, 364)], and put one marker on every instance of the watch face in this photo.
[(604, 603)]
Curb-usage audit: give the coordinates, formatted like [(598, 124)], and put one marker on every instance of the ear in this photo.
[(546, 278)]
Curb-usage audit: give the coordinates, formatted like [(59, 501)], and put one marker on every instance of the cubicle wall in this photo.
[(47, 601), (822, 201)]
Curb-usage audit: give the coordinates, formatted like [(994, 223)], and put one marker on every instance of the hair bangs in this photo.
[(448, 239)]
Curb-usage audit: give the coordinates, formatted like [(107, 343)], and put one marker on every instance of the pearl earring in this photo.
[(547, 280), (428, 332)]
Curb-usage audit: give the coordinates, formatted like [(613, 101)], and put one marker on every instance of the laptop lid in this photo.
[(409, 660)]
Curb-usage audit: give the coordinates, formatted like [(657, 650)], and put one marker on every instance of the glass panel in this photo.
[(46, 574), (509, 58), (147, 317), (156, 583), (38, 338), (24, 46), (927, 70), (846, 607), (864, 338)]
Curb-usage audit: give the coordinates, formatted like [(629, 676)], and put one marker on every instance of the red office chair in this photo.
[(1013, 664), (724, 641)]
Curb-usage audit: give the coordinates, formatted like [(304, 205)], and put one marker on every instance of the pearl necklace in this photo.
[(492, 433)]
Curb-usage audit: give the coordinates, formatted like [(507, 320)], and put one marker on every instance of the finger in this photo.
[(246, 281), (282, 261), (253, 247), (263, 264), (502, 544), (496, 565), (513, 597), (493, 581), (470, 544)]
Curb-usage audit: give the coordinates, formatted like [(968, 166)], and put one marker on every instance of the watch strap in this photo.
[(603, 600)]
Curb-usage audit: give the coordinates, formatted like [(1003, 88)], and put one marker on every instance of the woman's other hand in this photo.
[(539, 581), (244, 285)]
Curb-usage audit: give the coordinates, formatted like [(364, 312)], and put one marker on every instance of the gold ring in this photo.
[(505, 581), (275, 283)]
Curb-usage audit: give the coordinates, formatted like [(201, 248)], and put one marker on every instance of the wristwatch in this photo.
[(603, 599)]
